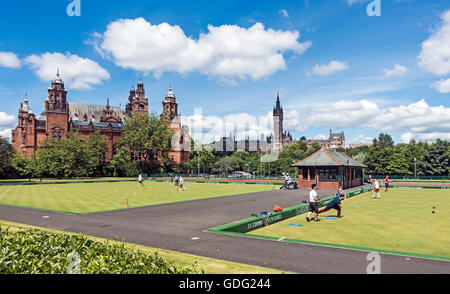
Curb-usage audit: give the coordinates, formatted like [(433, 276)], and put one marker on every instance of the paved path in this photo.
[(173, 227)]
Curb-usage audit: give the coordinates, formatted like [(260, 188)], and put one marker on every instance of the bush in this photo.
[(37, 252)]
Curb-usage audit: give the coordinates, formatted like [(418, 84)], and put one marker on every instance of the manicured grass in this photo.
[(401, 221), (93, 197), (208, 265)]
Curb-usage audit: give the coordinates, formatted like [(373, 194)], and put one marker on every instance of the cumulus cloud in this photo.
[(417, 120), (78, 73), (435, 55), (229, 51), (442, 86), (6, 120), (361, 139), (330, 68), (9, 60), (396, 71), (6, 124)]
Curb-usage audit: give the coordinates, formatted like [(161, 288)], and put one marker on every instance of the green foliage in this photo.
[(5, 157), (223, 166), (37, 252), (120, 161), (151, 137), (70, 157)]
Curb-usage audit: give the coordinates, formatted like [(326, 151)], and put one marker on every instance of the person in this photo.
[(376, 190), (171, 179), (313, 205), (176, 180), (386, 183), (335, 204), (181, 184), (341, 192), (140, 180)]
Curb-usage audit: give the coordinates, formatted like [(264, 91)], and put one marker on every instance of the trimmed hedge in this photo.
[(36, 252)]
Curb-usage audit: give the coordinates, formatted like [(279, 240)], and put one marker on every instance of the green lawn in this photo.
[(401, 221), (93, 197)]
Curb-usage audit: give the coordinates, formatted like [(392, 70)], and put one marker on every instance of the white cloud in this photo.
[(419, 119), (78, 73), (396, 71), (283, 13), (443, 86), (435, 55), (6, 124), (361, 139), (328, 69), (9, 60), (229, 52), (6, 120)]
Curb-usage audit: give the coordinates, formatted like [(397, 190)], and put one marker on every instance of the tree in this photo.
[(437, 160), (384, 140), (223, 166), (120, 161), (149, 136), (6, 153), (21, 165)]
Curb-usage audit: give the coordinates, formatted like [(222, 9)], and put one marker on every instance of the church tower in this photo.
[(57, 109), (278, 125), (137, 101), (181, 140), (170, 106)]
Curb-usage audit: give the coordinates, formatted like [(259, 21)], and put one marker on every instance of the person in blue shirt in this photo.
[(335, 204)]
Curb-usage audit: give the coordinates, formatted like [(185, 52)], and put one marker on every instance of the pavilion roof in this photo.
[(330, 157)]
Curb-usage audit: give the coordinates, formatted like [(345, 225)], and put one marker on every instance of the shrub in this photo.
[(36, 252)]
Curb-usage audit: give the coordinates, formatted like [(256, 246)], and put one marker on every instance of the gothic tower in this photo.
[(278, 125), (137, 102), (57, 109)]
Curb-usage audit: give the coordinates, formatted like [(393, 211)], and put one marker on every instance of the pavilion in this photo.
[(329, 169)]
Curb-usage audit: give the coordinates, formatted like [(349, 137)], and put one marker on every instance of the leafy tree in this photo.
[(223, 166), (21, 165), (119, 162), (437, 160), (6, 152), (149, 136), (384, 140)]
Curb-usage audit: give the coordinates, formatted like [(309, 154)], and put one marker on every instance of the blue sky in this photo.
[(333, 65)]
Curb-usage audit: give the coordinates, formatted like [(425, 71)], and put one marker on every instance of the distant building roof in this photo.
[(93, 112), (330, 157)]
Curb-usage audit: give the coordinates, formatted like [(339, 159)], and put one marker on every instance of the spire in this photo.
[(25, 100), (57, 73), (107, 103)]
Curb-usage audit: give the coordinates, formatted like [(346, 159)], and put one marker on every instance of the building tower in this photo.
[(57, 109), (170, 107), (137, 102), (278, 125), (181, 140)]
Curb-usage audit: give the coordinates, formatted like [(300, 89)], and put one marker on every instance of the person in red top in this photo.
[(386, 183)]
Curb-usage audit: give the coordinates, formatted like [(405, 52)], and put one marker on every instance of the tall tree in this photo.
[(6, 152), (150, 136)]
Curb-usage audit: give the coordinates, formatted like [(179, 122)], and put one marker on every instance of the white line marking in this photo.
[(281, 239)]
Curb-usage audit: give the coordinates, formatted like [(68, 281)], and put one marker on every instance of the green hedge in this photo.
[(37, 252)]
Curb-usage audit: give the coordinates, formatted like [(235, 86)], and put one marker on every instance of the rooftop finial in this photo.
[(57, 72)]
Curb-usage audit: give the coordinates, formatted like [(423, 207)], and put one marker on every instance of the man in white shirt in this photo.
[(140, 180), (181, 184), (376, 190), (313, 205)]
